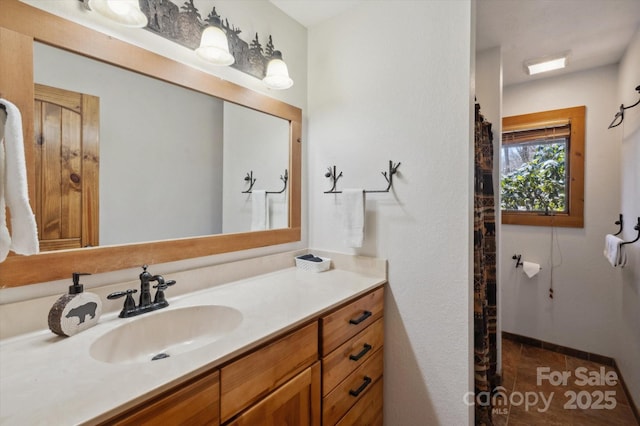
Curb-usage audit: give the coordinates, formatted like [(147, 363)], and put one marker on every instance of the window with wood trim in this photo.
[(542, 168)]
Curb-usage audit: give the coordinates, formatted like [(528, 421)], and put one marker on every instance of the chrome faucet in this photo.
[(145, 304)]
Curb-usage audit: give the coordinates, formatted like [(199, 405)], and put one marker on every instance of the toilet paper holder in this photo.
[(518, 259)]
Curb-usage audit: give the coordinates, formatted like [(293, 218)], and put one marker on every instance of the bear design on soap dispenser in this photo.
[(76, 304), (82, 311)]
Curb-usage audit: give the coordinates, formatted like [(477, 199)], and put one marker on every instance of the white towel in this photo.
[(14, 194), (353, 215), (5, 238), (614, 252), (259, 210)]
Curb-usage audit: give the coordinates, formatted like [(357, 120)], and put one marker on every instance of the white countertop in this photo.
[(47, 379)]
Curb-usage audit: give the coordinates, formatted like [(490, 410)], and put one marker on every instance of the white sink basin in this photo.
[(164, 334)]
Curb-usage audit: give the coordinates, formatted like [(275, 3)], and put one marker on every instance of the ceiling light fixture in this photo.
[(124, 12), (277, 75), (537, 66), (214, 46)]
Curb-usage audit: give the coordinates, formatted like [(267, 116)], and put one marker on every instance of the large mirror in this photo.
[(167, 153), (172, 228)]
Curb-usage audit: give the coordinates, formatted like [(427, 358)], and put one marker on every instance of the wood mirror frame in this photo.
[(20, 26)]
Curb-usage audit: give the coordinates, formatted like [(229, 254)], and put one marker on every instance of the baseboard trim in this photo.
[(601, 359), (588, 356)]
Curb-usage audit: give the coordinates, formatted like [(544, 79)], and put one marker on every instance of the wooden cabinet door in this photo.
[(194, 403), (296, 403), (66, 162), (247, 380)]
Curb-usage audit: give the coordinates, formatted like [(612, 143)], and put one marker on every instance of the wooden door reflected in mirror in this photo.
[(66, 163)]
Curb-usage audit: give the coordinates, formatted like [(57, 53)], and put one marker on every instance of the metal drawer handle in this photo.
[(366, 348), (367, 381), (364, 316)]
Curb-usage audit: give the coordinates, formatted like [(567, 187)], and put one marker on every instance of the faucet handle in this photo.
[(159, 298), (119, 294), (162, 285), (129, 303)]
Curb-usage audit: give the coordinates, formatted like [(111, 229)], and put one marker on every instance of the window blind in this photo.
[(535, 134)]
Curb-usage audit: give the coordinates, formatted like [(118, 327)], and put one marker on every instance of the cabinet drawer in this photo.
[(252, 377), (348, 321), (352, 389), (368, 410), (351, 354), (195, 402)]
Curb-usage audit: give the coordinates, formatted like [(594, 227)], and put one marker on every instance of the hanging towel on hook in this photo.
[(259, 210), (614, 252), (353, 203), (14, 194)]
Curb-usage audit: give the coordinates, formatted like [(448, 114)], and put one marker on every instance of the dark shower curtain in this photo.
[(484, 270)]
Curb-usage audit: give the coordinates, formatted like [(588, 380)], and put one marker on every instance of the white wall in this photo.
[(627, 136), (489, 88), (260, 145), (585, 311), (390, 80)]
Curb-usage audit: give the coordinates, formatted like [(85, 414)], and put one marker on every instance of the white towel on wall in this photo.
[(614, 252), (5, 238), (353, 216), (15, 195), (259, 210)]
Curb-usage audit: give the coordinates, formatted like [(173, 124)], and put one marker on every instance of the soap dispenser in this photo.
[(76, 311)]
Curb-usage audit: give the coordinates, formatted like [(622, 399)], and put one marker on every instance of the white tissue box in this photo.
[(307, 265)]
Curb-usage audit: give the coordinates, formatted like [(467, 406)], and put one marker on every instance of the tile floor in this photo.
[(533, 397)]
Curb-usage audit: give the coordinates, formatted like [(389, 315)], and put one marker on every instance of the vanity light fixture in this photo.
[(124, 12), (214, 46), (536, 66), (277, 75)]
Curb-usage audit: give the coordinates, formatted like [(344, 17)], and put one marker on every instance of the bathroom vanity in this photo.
[(240, 343), (291, 347)]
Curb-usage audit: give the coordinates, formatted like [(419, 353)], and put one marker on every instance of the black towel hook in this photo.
[(619, 222), (249, 178), (620, 114), (331, 174), (334, 178), (284, 179), (637, 228)]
